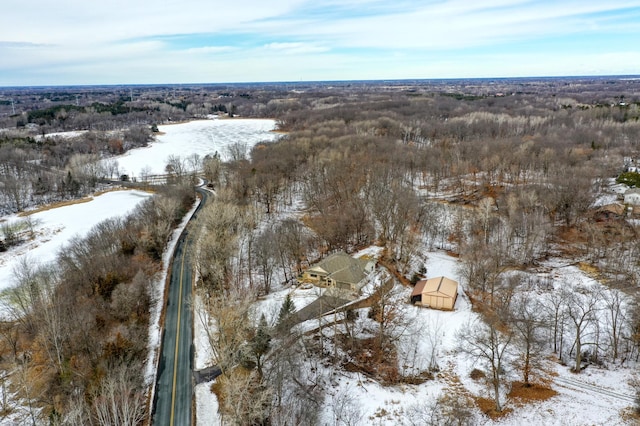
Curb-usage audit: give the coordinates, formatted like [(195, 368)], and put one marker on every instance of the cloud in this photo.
[(73, 41), (296, 48), (20, 45), (211, 49)]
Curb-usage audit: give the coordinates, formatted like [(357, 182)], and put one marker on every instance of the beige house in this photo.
[(436, 293), (340, 271)]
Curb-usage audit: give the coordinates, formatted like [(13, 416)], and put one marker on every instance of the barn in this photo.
[(436, 293)]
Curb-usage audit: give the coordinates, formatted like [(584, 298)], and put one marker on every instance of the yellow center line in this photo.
[(175, 361)]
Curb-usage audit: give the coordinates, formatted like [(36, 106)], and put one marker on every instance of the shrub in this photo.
[(630, 179)]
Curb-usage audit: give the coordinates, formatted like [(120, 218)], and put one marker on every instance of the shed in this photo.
[(436, 293)]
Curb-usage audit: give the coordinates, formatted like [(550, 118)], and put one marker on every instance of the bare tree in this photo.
[(222, 222), (265, 256), (554, 305), (345, 409), (616, 304), (119, 399), (485, 342), (35, 304), (392, 321), (527, 325), (582, 309), (211, 166)]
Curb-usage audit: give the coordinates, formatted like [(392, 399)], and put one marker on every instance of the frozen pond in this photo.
[(55, 227), (202, 137)]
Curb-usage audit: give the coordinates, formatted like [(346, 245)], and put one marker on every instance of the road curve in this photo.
[(174, 382)]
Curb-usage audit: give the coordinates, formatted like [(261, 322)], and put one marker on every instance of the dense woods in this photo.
[(503, 175)]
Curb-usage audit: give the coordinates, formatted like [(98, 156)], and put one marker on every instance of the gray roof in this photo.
[(344, 268)]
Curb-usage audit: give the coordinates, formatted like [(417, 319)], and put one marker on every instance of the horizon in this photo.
[(630, 77), (122, 42)]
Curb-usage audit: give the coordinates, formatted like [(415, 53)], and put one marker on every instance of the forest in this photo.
[(504, 176)]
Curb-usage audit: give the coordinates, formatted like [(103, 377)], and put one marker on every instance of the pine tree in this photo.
[(261, 343), (287, 308)]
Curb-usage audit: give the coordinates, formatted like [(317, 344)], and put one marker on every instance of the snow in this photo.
[(64, 135), (580, 399), (201, 136), (270, 305), (55, 227), (206, 405)]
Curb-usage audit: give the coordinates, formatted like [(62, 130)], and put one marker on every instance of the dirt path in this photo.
[(579, 385)]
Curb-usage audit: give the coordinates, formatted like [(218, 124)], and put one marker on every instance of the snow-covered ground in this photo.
[(62, 135), (55, 227), (200, 137), (596, 396)]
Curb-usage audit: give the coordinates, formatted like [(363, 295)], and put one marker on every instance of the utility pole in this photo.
[(13, 107)]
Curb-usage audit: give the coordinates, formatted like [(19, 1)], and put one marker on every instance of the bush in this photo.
[(630, 179)]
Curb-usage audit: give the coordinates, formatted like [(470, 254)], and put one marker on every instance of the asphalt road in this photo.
[(174, 385)]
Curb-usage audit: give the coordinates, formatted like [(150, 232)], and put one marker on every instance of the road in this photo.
[(174, 385)]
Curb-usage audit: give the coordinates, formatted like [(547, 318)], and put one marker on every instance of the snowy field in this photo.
[(53, 228), (200, 137)]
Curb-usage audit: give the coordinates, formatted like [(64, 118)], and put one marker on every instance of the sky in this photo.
[(65, 42)]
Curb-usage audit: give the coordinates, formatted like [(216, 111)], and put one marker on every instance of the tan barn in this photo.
[(436, 293)]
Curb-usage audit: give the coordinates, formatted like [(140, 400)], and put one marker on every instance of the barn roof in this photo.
[(417, 290), (438, 286)]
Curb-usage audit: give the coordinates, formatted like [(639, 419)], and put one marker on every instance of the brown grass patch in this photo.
[(55, 206), (571, 234), (532, 393), (419, 379), (477, 374), (591, 270), (488, 407), (66, 203), (630, 415), (367, 358)]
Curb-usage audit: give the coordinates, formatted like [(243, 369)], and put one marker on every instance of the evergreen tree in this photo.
[(287, 308), (261, 343)]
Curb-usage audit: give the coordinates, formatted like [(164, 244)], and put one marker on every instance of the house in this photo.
[(340, 271), (436, 293), (632, 196)]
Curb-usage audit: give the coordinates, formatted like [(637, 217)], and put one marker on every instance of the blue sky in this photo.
[(44, 42)]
